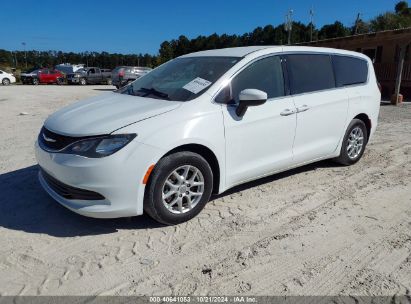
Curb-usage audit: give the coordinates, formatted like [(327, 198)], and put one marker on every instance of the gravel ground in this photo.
[(318, 230)]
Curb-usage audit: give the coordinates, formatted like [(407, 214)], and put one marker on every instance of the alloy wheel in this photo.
[(355, 143), (183, 189)]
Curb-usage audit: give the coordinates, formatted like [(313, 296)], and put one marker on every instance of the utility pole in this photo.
[(25, 52), (288, 25), (399, 74), (357, 21), (311, 23)]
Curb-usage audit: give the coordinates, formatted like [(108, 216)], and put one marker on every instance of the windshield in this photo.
[(181, 79)]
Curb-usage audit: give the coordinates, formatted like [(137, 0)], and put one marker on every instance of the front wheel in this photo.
[(354, 142), (35, 81), (179, 187), (6, 81), (83, 81), (60, 81)]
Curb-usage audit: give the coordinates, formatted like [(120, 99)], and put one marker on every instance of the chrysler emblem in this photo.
[(48, 139)]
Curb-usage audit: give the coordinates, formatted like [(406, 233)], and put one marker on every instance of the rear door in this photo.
[(261, 141), (98, 76), (91, 76), (321, 107)]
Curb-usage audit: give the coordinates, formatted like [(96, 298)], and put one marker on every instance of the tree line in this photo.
[(268, 35)]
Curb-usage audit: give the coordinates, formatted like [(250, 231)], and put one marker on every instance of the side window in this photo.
[(91, 71), (350, 70), (97, 71), (45, 71), (310, 72), (265, 75)]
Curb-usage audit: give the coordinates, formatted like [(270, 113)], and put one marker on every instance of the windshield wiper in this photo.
[(154, 92)]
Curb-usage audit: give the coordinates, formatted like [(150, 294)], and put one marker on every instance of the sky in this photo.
[(129, 27)]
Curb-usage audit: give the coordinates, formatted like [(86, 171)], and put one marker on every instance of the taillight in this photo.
[(121, 73), (379, 86)]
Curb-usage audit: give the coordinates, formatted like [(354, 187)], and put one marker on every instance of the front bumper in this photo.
[(117, 178), (73, 80)]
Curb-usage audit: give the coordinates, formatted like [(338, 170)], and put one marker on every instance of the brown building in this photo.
[(389, 50)]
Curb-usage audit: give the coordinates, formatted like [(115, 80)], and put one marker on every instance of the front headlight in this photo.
[(99, 146), (76, 75)]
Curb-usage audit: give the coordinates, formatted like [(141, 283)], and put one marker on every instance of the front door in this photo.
[(261, 141)]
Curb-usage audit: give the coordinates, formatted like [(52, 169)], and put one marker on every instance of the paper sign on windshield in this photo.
[(196, 85)]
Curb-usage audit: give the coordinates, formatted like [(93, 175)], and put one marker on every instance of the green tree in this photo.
[(335, 30)]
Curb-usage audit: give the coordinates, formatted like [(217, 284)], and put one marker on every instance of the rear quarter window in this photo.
[(310, 73), (349, 70)]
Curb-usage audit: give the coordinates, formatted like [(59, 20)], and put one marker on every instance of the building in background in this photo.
[(390, 52)]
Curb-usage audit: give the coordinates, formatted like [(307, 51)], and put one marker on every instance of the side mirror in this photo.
[(250, 98)]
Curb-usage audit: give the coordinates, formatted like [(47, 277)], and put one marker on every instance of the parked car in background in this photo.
[(123, 75), (90, 75), (37, 76), (68, 68), (6, 78), (203, 123), (26, 76)]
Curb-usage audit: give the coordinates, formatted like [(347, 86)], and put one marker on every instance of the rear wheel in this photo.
[(35, 81), (5, 81), (108, 81), (179, 187), (354, 143), (60, 81)]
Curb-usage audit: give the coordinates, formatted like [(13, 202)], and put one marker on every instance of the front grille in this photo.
[(53, 141), (69, 192)]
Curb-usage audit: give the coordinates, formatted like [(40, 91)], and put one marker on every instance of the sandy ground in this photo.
[(317, 230)]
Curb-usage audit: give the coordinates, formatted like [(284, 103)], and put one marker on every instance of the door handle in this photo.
[(287, 112), (303, 108)]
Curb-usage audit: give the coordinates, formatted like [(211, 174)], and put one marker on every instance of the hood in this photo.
[(106, 113), (29, 74)]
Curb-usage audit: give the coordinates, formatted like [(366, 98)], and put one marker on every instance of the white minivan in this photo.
[(203, 123)]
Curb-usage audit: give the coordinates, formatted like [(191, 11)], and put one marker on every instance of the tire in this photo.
[(108, 81), (163, 181), (5, 81), (354, 143), (82, 81), (60, 81), (117, 87), (35, 81)]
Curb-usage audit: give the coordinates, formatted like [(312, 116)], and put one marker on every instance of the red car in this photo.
[(42, 76)]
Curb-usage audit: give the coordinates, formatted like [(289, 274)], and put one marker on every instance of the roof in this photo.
[(385, 33), (231, 52), (267, 49)]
